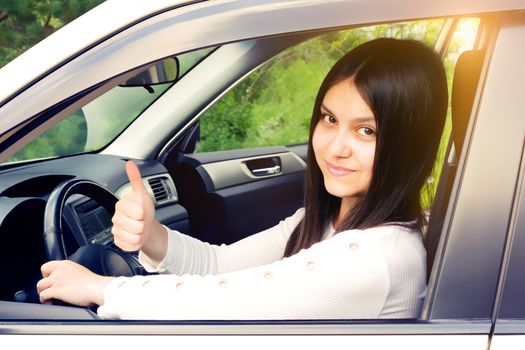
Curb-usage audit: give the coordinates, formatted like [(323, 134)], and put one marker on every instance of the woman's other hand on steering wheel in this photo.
[(72, 283), (134, 224)]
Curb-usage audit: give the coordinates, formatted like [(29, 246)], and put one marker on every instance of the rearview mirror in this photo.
[(165, 71)]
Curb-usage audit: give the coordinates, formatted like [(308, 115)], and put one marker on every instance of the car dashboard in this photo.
[(24, 190)]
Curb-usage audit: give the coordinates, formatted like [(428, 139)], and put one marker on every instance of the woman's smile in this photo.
[(338, 171)]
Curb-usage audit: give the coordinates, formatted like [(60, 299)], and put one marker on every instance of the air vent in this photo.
[(159, 188)]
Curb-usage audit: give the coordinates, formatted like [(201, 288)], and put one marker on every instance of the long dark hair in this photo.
[(404, 84)]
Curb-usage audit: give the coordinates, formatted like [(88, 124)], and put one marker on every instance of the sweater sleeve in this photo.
[(345, 276), (187, 255)]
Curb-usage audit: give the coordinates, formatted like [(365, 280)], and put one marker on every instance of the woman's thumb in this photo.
[(134, 177)]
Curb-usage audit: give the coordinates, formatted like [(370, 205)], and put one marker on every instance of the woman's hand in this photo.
[(71, 283), (134, 223)]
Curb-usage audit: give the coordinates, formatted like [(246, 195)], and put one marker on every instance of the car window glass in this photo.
[(190, 59), (97, 123), (273, 105)]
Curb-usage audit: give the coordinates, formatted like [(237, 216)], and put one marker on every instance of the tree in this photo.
[(23, 23)]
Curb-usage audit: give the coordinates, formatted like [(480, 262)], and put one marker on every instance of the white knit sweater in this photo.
[(355, 274)]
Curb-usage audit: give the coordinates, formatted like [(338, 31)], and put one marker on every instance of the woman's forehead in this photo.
[(344, 100)]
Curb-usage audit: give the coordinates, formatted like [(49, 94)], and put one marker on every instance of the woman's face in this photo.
[(344, 142)]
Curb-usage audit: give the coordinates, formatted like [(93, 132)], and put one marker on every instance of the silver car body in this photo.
[(126, 35)]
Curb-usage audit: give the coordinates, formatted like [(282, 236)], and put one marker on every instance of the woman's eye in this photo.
[(366, 131), (329, 119)]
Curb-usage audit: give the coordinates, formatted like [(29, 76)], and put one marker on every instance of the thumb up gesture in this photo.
[(134, 223)]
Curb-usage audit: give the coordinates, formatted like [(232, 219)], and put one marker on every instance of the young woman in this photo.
[(353, 251)]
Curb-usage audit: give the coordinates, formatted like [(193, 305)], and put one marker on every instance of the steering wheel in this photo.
[(101, 259)]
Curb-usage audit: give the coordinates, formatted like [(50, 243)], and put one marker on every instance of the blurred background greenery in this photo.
[(23, 23)]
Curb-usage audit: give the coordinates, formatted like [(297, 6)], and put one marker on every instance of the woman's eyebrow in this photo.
[(363, 119), (327, 109)]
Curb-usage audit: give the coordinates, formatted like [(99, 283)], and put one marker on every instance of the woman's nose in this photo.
[(340, 146)]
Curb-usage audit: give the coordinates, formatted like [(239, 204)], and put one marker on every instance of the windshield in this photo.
[(96, 124)]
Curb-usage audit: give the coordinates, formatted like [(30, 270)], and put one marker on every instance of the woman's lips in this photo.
[(337, 170)]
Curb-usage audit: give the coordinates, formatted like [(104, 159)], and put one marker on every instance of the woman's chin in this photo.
[(344, 190), (339, 191)]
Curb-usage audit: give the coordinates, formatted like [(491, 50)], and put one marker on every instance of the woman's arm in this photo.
[(346, 276), (343, 277), (187, 255)]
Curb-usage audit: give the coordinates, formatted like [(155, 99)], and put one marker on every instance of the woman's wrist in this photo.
[(156, 246), (98, 288)]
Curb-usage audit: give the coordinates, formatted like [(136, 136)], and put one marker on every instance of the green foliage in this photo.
[(69, 138), (23, 23), (273, 105)]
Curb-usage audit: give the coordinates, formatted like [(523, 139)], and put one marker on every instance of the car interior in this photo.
[(50, 208)]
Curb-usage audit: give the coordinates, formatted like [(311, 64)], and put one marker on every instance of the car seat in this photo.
[(464, 86)]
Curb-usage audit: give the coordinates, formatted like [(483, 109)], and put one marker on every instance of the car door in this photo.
[(509, 330), (509, 309)]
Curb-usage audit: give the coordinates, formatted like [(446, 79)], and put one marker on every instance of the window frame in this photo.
[(465, 285)]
